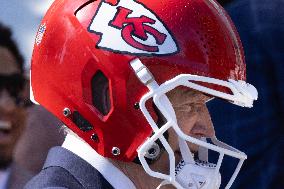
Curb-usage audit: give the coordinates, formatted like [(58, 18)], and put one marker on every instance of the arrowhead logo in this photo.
[(130, 27)]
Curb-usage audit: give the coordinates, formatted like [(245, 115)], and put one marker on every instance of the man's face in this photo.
[(12, 116), (193, 119), (192, 115)]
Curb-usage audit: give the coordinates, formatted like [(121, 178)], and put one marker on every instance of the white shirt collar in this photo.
[(4, 175), (111, 173)]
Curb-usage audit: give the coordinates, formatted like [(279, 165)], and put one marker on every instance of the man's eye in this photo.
[(195, 106), (185, 108)]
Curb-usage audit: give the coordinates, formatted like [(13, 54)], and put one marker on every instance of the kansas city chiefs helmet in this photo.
[(100, 65)]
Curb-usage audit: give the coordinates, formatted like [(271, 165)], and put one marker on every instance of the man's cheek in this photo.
[(19, 120), (186, 124)]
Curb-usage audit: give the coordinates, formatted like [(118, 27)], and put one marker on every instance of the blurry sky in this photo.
[(23, 16)]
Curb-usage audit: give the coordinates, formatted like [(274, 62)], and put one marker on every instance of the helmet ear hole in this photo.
[(81, 122), (100, 93)]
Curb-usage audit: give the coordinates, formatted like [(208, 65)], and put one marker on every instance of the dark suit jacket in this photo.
[(63, 169)]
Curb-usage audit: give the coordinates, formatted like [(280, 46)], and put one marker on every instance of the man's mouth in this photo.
[(5, 125), (5, 131)]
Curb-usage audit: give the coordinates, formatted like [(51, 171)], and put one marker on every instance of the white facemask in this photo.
[(189, 174)]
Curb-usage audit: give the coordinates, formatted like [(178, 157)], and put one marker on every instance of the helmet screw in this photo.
[(95, 137), (66, 112), (115, 151), (136, 106)]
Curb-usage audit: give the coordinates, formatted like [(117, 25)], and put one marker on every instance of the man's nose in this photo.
[(203, 125), (7, 103)]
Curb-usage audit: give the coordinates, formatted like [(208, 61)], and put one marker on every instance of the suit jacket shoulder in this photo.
[(63, 169)]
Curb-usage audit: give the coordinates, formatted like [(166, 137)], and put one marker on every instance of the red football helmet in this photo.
[(96, 63)]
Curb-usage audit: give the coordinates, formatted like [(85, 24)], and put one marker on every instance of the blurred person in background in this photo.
[(12, 110), (34, 143), (259, 132), (42, 132)]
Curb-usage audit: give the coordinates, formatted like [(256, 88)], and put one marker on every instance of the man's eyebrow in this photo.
[(199, 97)]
